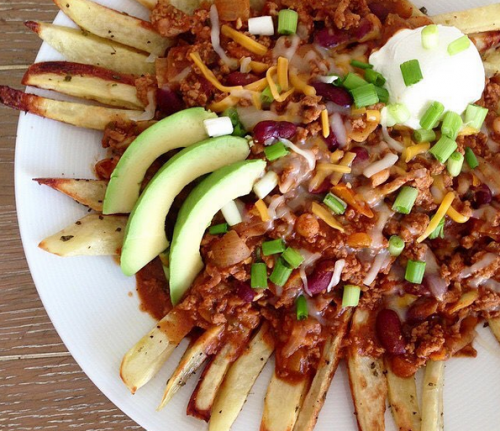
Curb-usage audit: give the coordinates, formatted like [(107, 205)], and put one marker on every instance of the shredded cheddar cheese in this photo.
[(372, 115), (259, 85), (300, 85), (283, 73), (262, 209), (456, 216), (346, 161), (258, 67), (321, 212), (475, 181), (244, 40), (208, 74), (256, 100), (325, 124), (412, 151), (336, 156), (466, 131), (273, 87), (327, 167), (465, 300), (222, 105), (440, 213), (358, 112)]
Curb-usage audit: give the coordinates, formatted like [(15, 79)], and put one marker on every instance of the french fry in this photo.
[(93, 235), (495, 327), (478, 20), (194, 357), (85, 81), (315, 397), (432, 397), (141, 363), (492, 63), (150, 4), (239, 381), (403, 401), (113, 25), (89, 117), (367, 381), (282, 404), (86, 192), (203, 397), (82, 47)]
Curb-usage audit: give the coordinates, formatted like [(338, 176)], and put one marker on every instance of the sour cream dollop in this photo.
[(454, 80)]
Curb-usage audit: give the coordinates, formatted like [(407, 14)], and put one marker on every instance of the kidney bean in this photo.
[(238, 78), (339, 96), (421, 309), (361, 155), (319, 280), (482, 195), (330, 38), (364, 28), (245, 292), (273, 129), (389, 331), (379, 10), (331, 141), (402, 366), (168, 101)]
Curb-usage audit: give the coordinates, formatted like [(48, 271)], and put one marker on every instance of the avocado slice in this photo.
[(145, 236), (181, 129), (215, 191)]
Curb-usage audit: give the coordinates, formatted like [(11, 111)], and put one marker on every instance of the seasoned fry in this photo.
[(83, 47), (111, 24), (239, 381), (85, 81), (93, 235), (86, 192), (495, 327), (315, 397), (203, 397), (89, 117), (432, 397), (367, 381), (190, 362), (485, 18), (282, 404), (403, 401), (141, 363)]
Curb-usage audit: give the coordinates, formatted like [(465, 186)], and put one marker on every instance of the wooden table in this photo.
[(41, 386)]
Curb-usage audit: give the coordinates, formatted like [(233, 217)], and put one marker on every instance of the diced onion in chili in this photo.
[(452, 123), (337, 205), (263, 211), (440, 213), (273, 247), (281, 273), (459, 45), (405, 200), (415, 271), (307, 154), (379, 263), (350, 297), (215, 38), (471, 158), (266, 184), (386, 162), (262, 25), (455, 163), (258, 276), (396, 245), (337, 273), (432, 116), (430, 36), (287, 21), (292, 257), (328, 79), (218, 229), (338, 128), (475, 116), (231, 213), (443, 149), (301, 305), (411, 72), (423, 135), (218, 126)]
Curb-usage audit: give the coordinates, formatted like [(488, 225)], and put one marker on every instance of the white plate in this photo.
[(89, 304)]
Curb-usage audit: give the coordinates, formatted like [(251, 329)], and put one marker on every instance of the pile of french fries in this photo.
[(104, 57)]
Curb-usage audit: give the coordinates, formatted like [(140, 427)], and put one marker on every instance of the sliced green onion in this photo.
[(361, 64), (365, 95), (350, 297), (458, 45), (231, 213), (432, 116), (439, 231), (415, 271), (218, 229), (383, 94), (452, 123), (281, 273), (266, 96), (405, 200), (287, 21), (423, 135), (266, 184), (430, 36), (232, 113), (301, 304), (375, 78), (275, 151), (411, 72), (336, 204), (352, 81), (292, 257), (398, 113), (273, 247), (475, 116), (471, 158), (455, 163), (258, 276), (443, 149), (396, 245)]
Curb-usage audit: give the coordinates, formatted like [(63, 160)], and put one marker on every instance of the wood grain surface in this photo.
[(41, 386)]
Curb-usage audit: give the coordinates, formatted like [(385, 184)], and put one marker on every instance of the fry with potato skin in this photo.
[(477, 20), (76, 114), (432, 397), (495, 327), (83, 47), (85, 81), (113, 25)]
